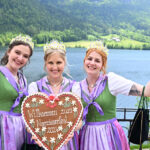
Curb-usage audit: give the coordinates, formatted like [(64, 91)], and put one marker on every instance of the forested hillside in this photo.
[(74, 20), (32, 16)]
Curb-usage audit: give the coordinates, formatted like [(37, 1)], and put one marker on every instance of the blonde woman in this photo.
[(54, 82)]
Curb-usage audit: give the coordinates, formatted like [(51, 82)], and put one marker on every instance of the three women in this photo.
[(98, 92)]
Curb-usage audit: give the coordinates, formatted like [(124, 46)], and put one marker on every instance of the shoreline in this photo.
[(122, 45), (125, 44)]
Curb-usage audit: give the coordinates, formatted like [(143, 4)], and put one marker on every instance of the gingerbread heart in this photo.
[(52, 119)]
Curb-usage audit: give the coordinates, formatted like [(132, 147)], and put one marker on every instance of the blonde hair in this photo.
[(56, 47)]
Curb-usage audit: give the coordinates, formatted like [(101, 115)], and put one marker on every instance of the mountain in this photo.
[(32, 16), (76, 19), (108, 16)]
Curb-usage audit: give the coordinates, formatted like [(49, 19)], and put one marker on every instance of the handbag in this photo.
[(138, 131)]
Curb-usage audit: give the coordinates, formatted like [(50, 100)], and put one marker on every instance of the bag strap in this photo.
[(143, 101)]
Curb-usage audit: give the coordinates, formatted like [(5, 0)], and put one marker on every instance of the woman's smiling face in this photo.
[(18, 57), (93, 63), (55, 65)]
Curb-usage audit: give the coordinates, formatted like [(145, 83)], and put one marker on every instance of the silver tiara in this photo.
[(54, 45), (98, 45), (23, 38)]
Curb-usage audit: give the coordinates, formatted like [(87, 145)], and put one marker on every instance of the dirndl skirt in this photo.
[(106, 135), (12, 131)]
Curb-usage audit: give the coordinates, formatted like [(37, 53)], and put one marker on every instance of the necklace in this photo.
[(16, 78), (91, 85), (56, 84)]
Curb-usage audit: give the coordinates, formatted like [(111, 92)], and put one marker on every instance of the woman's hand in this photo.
[(79, 125), (36, 141), (34, 138), (147, 89), (69, 138), (72, 134)]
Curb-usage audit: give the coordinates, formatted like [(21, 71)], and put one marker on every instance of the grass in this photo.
[(123, 44), (144, 146), (83, 44), (80, 44)]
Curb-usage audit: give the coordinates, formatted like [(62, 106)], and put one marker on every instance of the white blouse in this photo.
[(118, 84), (32, 88)]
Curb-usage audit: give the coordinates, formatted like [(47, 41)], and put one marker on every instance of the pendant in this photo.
[(55, 85), (92, 86)]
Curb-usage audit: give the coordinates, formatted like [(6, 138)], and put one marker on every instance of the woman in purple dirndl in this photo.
[(13, 88), (54, 82), (101, 130)]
